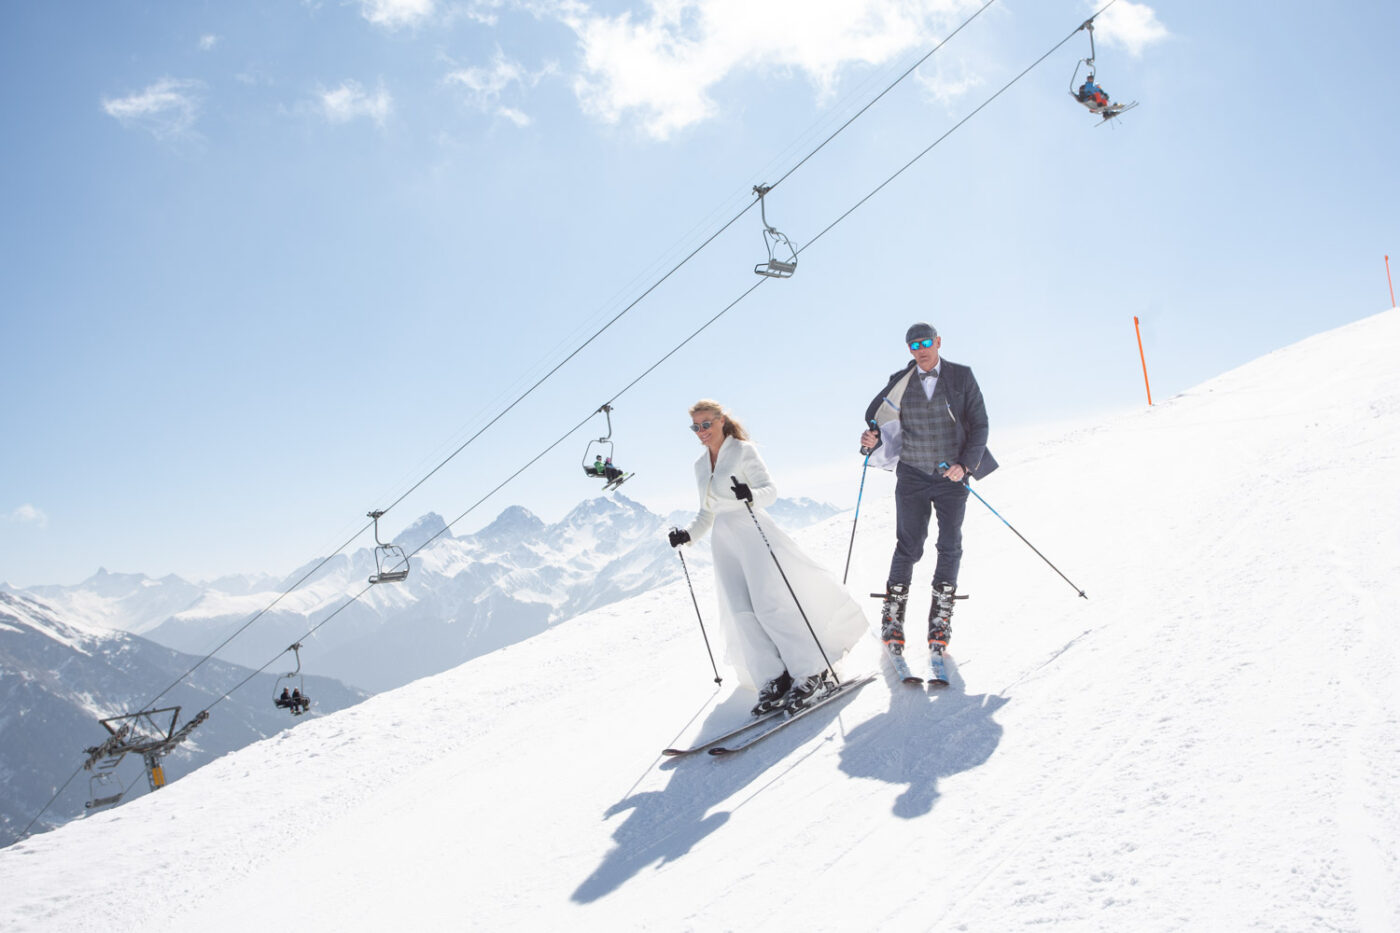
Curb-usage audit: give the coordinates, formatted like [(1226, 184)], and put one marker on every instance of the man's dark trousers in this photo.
[(917, 495)]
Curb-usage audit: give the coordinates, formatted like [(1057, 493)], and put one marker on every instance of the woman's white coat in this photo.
[(762, 623)]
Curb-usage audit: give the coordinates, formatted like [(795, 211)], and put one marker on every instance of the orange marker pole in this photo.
[(1389, 282), (1143, 357)]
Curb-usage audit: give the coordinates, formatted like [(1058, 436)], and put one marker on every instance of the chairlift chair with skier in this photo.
[(1089, 93), (289, 692), (775, 267), (598, 457), (390, 562)]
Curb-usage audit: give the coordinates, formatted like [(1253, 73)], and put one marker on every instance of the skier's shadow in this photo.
[(924, 737), (664, 825)]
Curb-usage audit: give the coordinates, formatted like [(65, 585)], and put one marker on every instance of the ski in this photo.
[(613, 484), (845, 689), (757, 720), (901, 669), (938, 674)]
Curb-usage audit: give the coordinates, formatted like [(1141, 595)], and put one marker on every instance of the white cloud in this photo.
[(29, 515), (484, 86), (944, 88), (1133, 26), (167, 109), (485, 12), (350, 101), (662, 65), (392, 14), (208, 41)]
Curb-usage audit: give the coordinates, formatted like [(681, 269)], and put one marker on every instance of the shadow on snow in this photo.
[(926, 735), (920, 739), (664, 825)]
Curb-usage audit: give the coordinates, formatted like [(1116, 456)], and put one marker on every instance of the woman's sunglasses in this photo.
[(702, 426)]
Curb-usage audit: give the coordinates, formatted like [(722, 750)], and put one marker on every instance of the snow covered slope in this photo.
[(1211, 741), (58, 678)]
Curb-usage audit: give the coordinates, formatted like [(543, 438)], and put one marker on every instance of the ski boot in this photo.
[(772, 695), (896, 597), (808, 691), (940, 630)]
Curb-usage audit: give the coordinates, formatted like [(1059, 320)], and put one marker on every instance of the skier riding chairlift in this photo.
[(1090, 94), (292, 698), (601, 451)]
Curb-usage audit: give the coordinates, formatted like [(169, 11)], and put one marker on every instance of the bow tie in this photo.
[(931, 372)]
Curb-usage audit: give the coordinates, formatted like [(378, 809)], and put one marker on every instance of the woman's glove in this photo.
[(742, 490), (679, 537)]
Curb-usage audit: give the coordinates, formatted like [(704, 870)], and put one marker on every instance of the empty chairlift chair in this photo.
[(774, 238), (390, 562)]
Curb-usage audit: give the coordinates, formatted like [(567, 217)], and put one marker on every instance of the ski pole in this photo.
[(703, 635), (748, 504), (968, 487), (867, 451)]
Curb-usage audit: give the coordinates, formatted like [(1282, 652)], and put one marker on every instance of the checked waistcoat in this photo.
[(930, 435)]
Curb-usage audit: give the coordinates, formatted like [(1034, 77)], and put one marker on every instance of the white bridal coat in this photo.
[(763, 627)]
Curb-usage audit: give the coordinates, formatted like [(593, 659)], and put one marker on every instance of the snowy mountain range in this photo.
[(1210, 741), (465, 595), (59, 678)]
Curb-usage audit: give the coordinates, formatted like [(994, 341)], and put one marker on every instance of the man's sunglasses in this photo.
[(925, 343), (702, 426)]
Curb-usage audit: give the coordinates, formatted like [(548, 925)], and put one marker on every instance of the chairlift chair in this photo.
[(601, 448), (772, 237), (292, 681), (390, 562), (104, 789), (1106, 111)]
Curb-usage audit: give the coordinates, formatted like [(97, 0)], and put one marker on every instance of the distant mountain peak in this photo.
[(515, 521), (429, 527)]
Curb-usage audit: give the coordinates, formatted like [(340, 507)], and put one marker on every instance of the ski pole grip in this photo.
[(867, 451), (943, 465)]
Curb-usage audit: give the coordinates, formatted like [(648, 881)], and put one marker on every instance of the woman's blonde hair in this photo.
[(732, 428)]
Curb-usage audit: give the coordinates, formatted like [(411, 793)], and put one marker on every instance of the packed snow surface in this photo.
[(1210, 741)]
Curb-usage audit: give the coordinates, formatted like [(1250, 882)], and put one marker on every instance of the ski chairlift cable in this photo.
[(390, 563), (294, 685), (772, 237)]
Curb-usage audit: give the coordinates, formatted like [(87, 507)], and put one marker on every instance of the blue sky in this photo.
[(263, 265)]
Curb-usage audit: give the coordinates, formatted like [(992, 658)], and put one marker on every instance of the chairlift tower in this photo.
[(138, 734)]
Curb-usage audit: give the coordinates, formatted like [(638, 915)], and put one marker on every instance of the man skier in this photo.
[(929, 424)]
